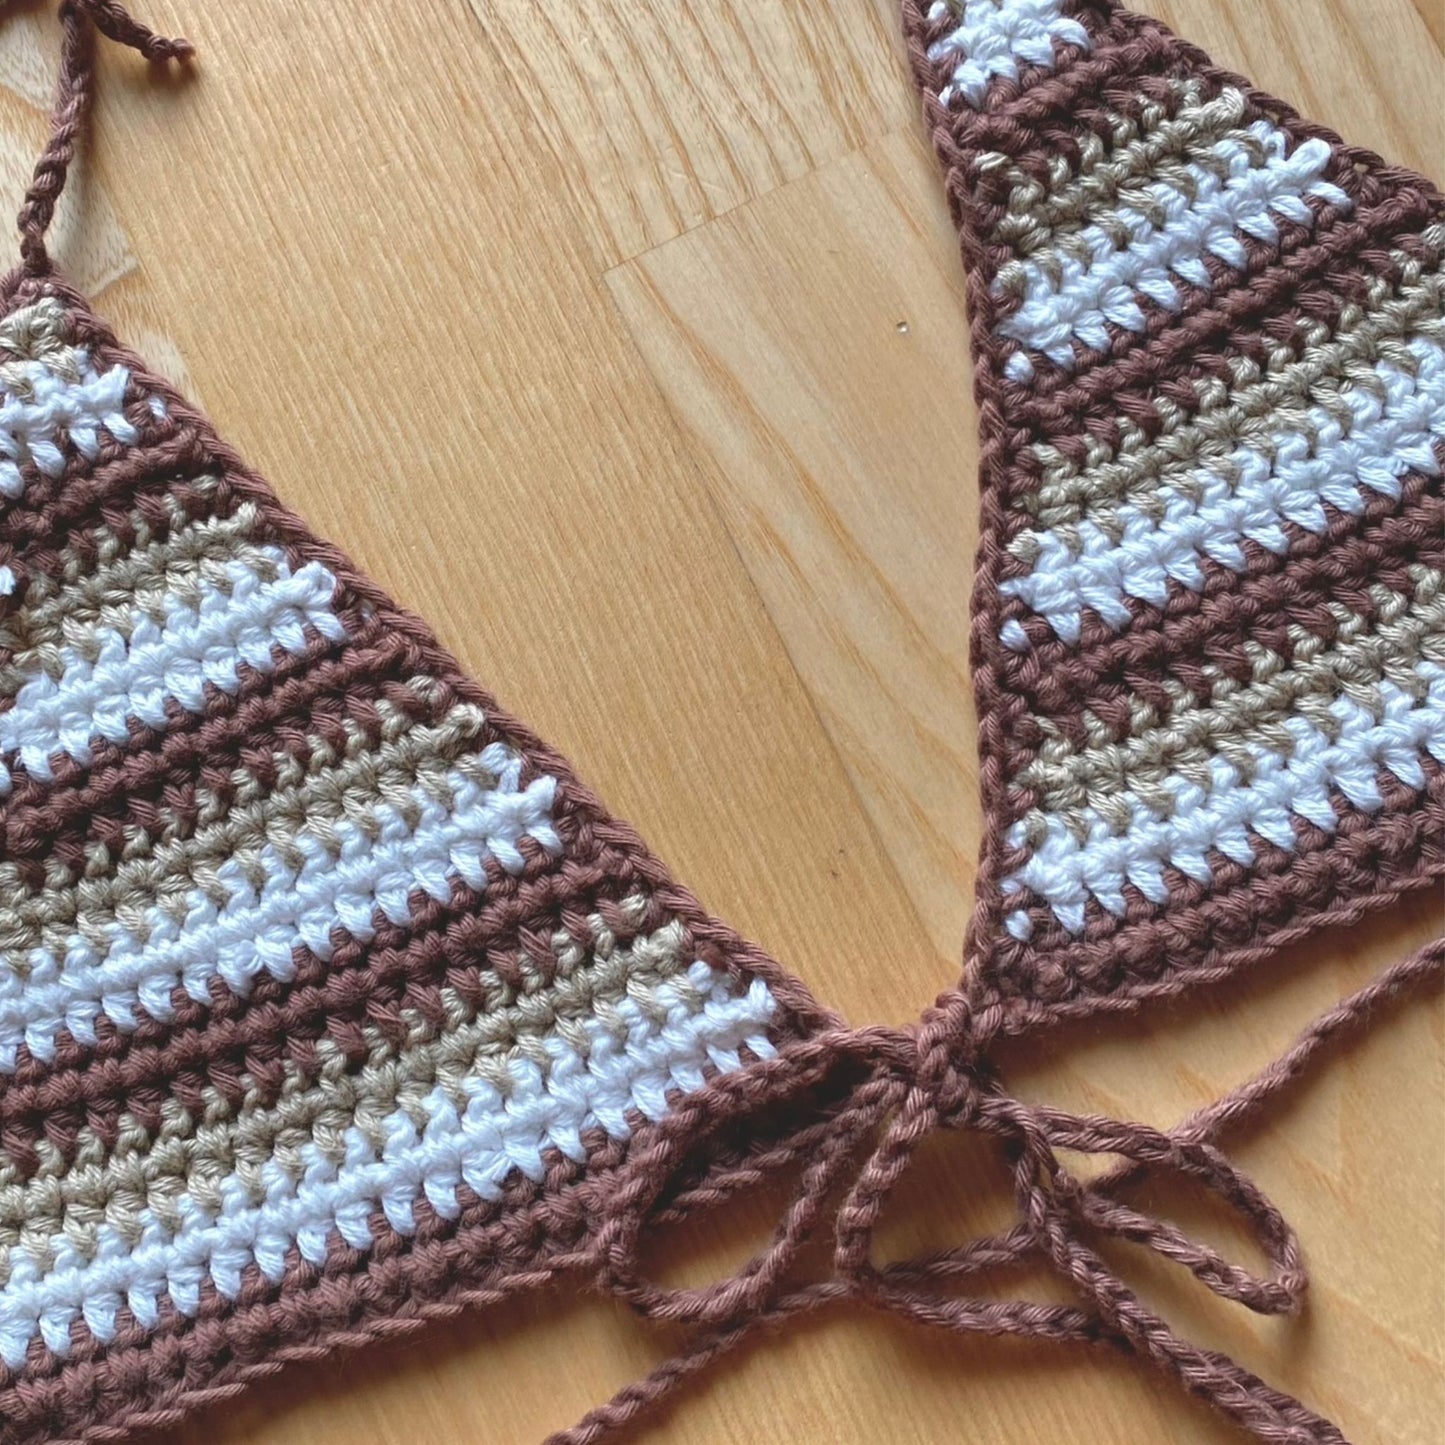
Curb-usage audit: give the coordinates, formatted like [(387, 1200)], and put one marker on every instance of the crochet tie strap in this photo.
[(914, 1083), (903, 1086)]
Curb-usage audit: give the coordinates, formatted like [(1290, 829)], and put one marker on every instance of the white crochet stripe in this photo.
[(230, 929), (116, 678), (634, 1060), (44, 407), (995, 37), (1068, 299), (1210, 512), (1066, 873)]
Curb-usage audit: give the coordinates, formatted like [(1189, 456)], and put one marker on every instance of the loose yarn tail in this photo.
[(914, 1083)]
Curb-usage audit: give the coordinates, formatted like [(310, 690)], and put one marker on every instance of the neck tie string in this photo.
[(75, 92)]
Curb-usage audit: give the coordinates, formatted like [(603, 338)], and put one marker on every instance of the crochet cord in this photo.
[(1053, 1204), (74, 93)]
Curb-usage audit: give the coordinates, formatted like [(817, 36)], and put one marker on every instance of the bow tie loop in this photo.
[(879, 1094), (881, 1061)]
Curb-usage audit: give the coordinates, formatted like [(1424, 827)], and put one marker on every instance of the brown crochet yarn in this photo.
[(331, 1001)]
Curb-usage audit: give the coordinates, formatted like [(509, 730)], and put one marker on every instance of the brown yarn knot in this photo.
[(887, 1090)]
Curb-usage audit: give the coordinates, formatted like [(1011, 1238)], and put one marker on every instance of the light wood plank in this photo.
[(811, 344), (664, 115)]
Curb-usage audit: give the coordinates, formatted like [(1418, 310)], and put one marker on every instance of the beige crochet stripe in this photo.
[(1107, 778), (191, 1159), (1165, 133), (1120, 168), (582, 964), (92, 597), (392, 770), (39, 332), (1253, 410)]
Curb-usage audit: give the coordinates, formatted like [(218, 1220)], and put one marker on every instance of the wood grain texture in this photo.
[(625, 341)]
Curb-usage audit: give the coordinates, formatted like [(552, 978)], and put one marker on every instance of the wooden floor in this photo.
[(624, 340)]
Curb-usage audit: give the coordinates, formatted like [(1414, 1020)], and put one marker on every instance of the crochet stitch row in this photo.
[(304, 954), (1209, 629)]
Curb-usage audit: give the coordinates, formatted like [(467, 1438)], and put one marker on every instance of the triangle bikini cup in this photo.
[(331, 1000)]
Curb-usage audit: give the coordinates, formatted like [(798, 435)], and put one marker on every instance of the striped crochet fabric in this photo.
[(331, 1000), (1209, 623), (327, 995)]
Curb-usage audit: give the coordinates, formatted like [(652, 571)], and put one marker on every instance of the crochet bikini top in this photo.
[(331, 998)]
